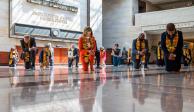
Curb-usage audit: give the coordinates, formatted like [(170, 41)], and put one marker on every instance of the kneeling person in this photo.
[(73, 55), (140, 51), (186, 55), (44, 57), (13, 57), (172, 45), (29, 49), (87, 49), (102, 56)]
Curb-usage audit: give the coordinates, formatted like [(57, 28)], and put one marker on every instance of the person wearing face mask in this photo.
[(51, 50), (172, 45), (159, 55), (29, 49), (102, 56), (116, 55), (140, 51), (87, 48), (73, 56)]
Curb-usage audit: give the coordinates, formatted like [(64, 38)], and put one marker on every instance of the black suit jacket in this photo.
[(75, 52), (32, 44), (134, 49), (179, 47)]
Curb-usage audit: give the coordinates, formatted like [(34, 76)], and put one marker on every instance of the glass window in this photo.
[(41, 32), (21, 30)]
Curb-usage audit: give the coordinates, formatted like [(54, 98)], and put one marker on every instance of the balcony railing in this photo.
[(183, 17)]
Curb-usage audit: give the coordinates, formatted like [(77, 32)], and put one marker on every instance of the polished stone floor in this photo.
[(111, 89)]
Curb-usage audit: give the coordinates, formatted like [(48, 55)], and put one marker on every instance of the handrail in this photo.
[(164, 10), (165, 24)]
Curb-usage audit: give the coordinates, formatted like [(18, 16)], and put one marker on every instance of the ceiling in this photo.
[(161, 1)]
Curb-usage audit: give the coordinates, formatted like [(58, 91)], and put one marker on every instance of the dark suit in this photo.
[(137, 63), (32, 53), (97, 54), (174, 65), (76, 57)]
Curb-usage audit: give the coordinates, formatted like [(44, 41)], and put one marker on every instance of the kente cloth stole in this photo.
[(140, 45), (11, 58), (129, 53), (11, 55), (45, 61), (160, 53), (27, 54), (85, 42), (85, 47), (171, 45), (187, 55), (48, 51)]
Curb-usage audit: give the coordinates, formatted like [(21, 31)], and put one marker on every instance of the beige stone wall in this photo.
[(96, 20), (6, 42), (118, 22)]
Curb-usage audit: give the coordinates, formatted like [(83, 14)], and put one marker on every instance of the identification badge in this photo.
[(70, 54)]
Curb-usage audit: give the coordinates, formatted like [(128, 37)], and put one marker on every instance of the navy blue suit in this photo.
[(174, 65), (76, 57)]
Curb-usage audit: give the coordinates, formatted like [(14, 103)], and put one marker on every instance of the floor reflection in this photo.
[(111, 89), (171, 97), (87, 94), (140, 89)]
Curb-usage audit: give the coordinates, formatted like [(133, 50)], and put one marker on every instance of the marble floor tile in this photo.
[(111, 89)]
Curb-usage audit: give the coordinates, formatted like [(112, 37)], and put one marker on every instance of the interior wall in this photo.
[(6, 42), (151, 7), (96, 20), (118, 20), (188, 35), (153, 41)]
